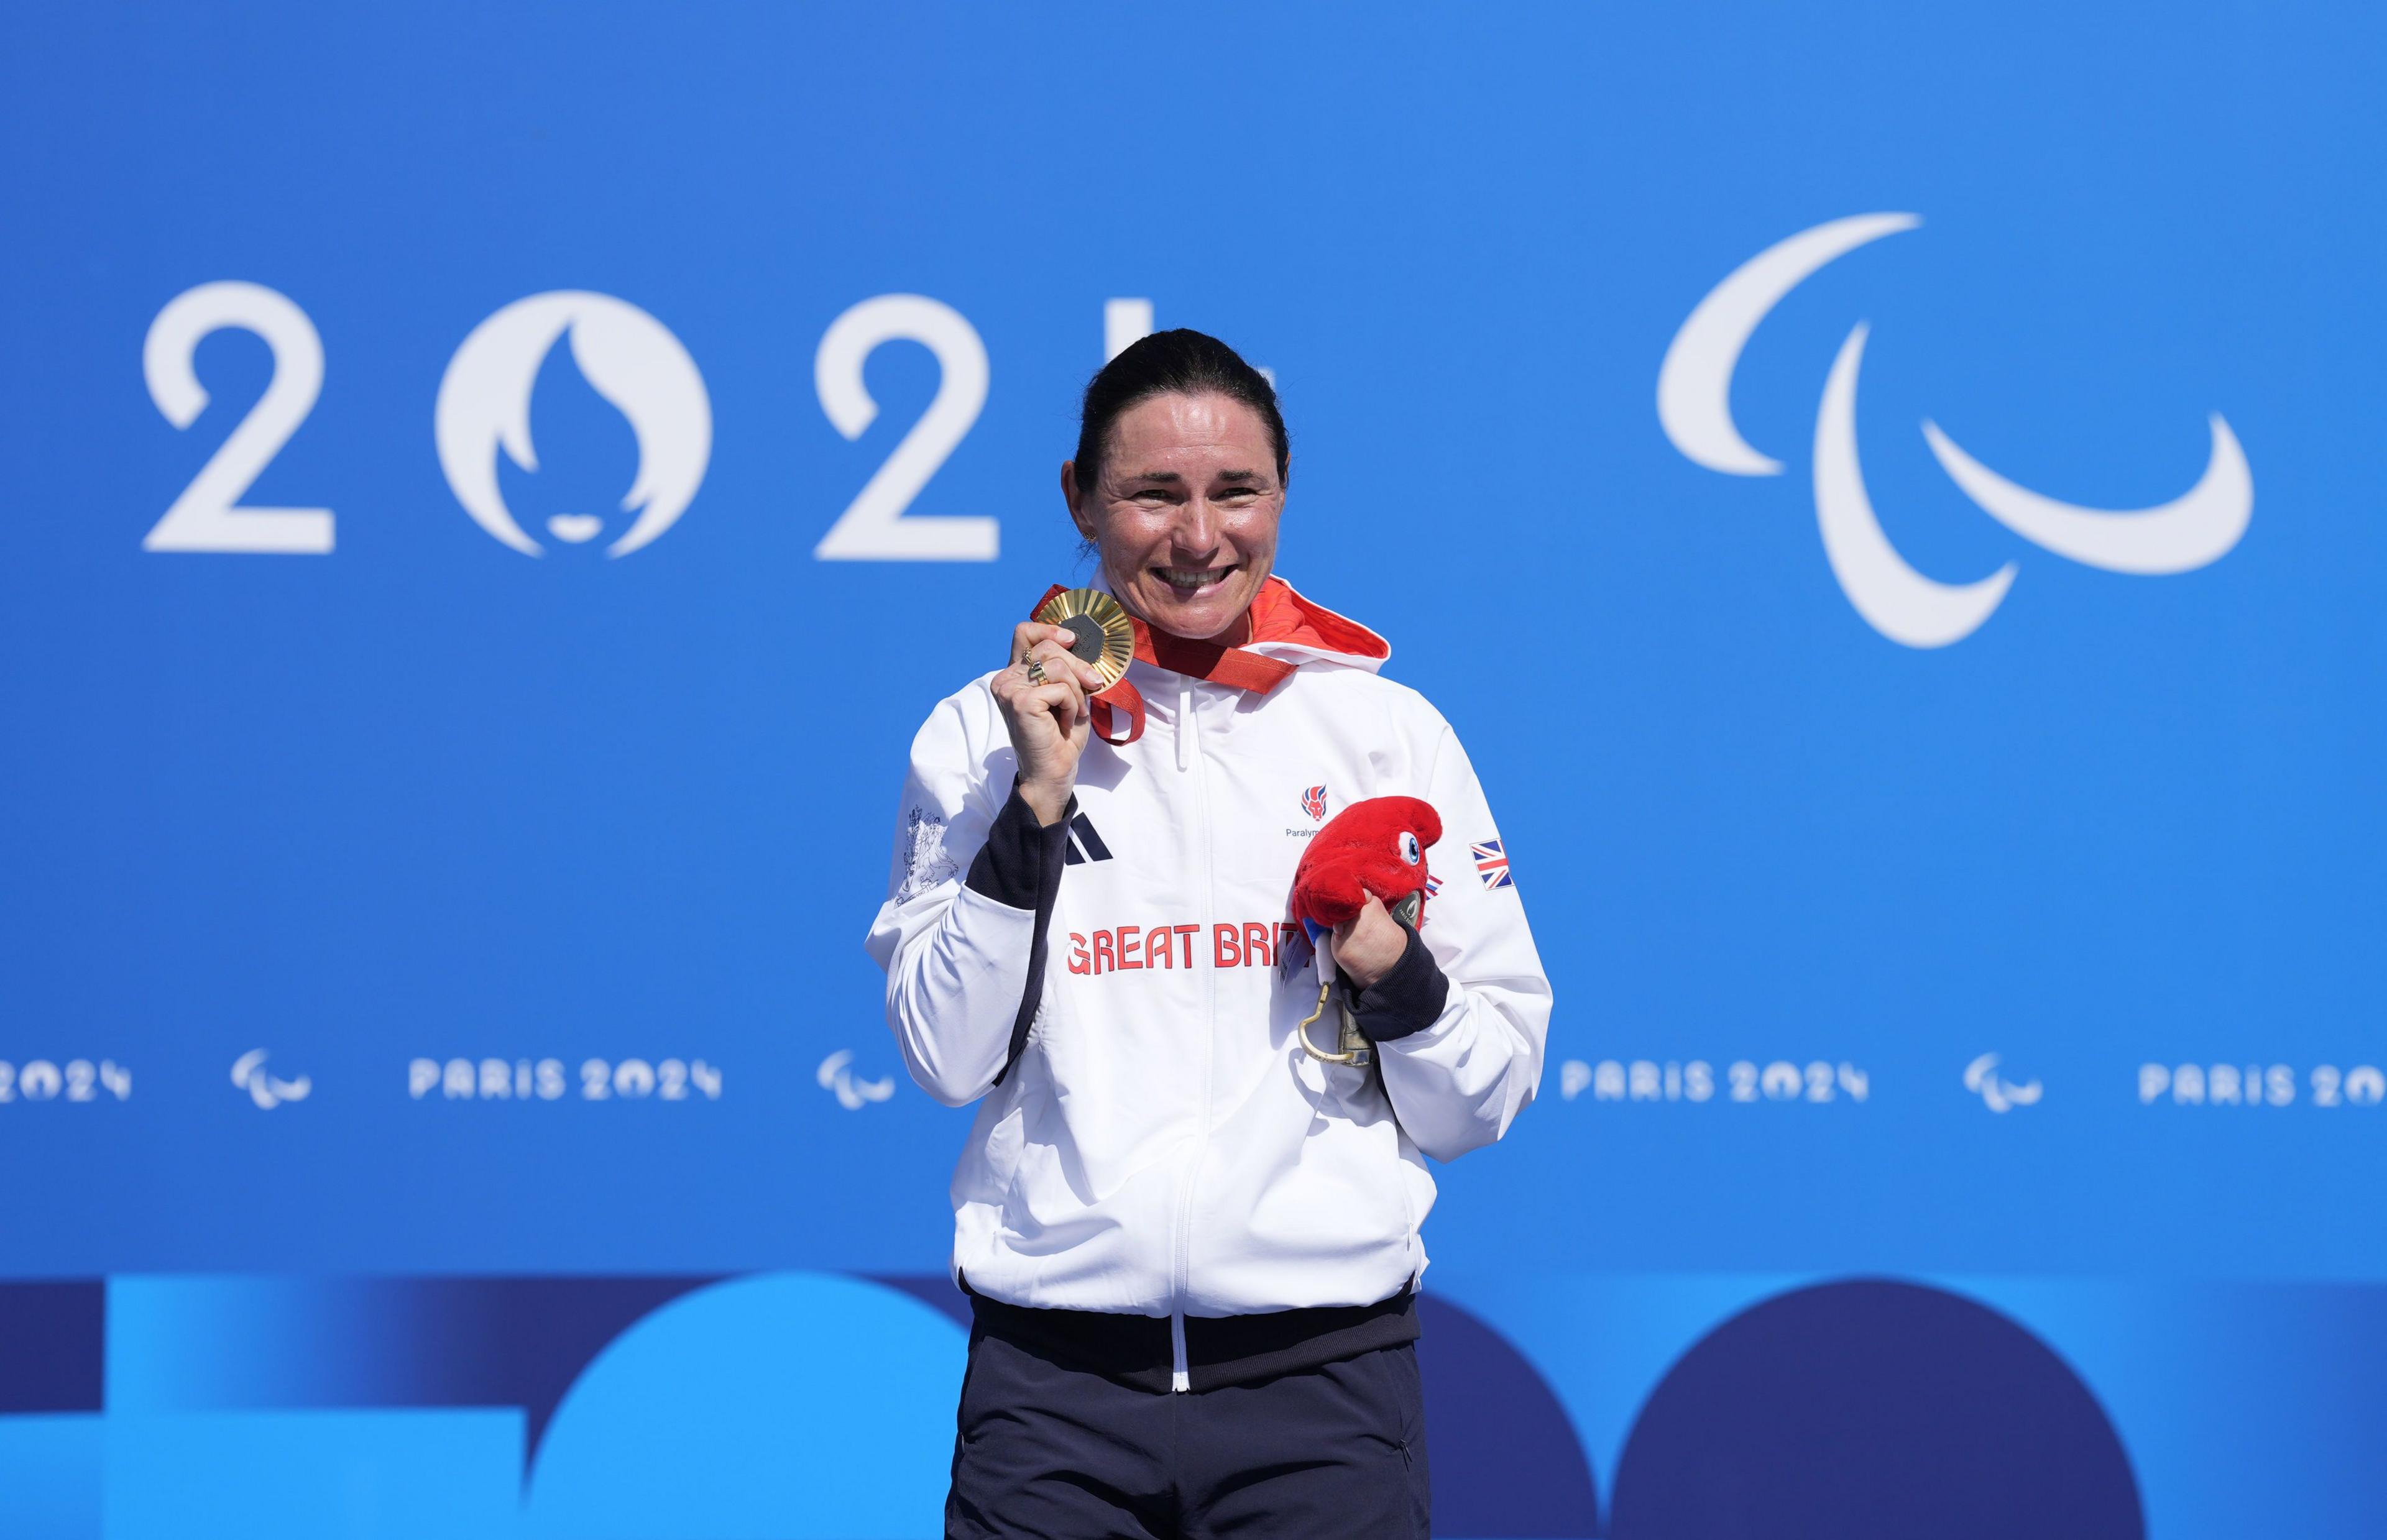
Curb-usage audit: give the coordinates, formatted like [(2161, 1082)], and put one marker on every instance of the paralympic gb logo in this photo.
[(1694, 406)]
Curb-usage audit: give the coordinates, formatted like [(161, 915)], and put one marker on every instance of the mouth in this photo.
[(1193, 582)]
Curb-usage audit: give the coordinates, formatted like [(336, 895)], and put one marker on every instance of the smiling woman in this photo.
[(1191, 1244), (1179, 482)]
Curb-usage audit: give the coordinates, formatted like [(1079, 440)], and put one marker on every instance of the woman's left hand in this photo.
[(1368, 945)]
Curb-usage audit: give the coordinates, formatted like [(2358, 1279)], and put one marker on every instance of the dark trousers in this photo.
[(1049, 1452)]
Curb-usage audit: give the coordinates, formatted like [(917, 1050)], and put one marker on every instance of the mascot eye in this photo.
[(1410, 851)]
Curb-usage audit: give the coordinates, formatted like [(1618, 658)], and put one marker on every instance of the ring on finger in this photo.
[(1035, 670)]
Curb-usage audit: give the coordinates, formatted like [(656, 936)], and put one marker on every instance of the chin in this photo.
[(1200, 619)]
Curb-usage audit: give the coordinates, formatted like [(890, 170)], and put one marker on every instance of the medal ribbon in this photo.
[(1231, 667)]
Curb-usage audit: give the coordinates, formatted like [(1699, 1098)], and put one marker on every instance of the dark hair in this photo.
[(1181, 363)]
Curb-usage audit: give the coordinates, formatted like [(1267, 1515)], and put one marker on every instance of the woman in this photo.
[(1192, 1246)]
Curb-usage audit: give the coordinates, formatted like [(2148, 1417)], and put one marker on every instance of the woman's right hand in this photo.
[(1049, 722)]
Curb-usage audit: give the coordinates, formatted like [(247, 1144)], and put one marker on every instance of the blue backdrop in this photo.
[(447, 774)]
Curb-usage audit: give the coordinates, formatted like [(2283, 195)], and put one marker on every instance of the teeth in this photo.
[(1181, 577)]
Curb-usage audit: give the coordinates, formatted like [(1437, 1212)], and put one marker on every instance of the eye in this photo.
[(1410, 851)]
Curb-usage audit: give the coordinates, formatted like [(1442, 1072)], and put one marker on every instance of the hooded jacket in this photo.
[(1162, 1146)]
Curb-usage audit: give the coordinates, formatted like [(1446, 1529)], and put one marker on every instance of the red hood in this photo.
[(1282, 616)]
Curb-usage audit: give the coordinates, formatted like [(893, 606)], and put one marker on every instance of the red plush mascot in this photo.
[(1376, 847)]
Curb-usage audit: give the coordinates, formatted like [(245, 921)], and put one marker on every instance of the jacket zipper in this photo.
[(1188, 759)]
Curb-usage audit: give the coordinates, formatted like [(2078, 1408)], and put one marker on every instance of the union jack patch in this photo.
[(1433, 885), (1492, 864)]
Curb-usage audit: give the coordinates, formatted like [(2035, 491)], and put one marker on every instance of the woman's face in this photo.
[(1184, 512)]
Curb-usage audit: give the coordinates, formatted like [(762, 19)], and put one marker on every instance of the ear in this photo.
[(1081, 509)]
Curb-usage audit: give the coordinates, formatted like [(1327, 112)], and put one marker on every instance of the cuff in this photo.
[(1409, 998), (1020, 856)]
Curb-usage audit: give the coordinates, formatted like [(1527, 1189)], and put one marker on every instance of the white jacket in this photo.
[(1164, 1146)]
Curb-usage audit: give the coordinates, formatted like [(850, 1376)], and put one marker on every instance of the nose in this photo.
[(1196, 534)]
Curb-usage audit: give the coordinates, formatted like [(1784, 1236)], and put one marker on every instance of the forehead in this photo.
[(1175, 431)]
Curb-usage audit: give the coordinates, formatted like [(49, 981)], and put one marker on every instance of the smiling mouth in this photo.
[(1193, 580)]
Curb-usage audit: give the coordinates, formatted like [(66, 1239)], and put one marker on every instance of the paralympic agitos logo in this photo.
[(1694, 406)]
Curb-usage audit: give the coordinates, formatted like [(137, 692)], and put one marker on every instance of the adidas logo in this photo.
[(1084, 843)]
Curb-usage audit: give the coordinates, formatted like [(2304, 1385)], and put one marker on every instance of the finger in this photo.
[(1368, 902), (1042, 670), (1028, 668), (1029, 633), (1016, 693), (1060, 662), (1041, 718), (1062, 698)]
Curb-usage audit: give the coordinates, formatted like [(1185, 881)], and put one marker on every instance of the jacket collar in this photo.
[(1288, 628)]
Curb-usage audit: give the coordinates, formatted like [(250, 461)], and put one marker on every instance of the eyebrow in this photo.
[(1171, 478)]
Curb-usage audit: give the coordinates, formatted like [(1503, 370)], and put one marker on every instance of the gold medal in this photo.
[(1102, 635)]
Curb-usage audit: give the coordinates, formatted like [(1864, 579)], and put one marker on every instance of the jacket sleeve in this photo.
[(1460, 1076), (970, 886)]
